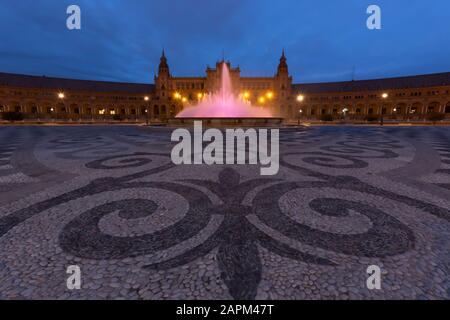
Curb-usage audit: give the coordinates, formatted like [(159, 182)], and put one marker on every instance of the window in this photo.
[(76, 110), (101, 111), (34, 109), (2, 108), (17, 108)]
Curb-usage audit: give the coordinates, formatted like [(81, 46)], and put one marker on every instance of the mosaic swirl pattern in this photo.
[(142, 228)]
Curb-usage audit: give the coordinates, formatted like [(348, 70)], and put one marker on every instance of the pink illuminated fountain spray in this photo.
[(224, 104)]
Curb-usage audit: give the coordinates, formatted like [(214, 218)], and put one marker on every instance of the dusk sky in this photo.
[(121, 40)]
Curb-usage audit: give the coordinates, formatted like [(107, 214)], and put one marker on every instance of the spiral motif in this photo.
[(134, 160)]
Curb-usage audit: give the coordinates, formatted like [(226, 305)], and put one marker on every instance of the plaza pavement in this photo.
[(108, 199)]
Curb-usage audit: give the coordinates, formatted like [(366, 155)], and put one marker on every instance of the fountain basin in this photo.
[(228, 122)]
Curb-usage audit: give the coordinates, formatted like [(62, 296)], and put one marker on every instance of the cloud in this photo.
[(122, 40)]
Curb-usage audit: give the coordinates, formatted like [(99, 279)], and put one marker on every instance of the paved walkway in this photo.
[(109, 200)]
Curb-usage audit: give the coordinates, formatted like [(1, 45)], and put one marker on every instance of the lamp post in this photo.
[(61, 97), (344, 112), (384, 96), (300, 99), (300, 114), (146, 110)]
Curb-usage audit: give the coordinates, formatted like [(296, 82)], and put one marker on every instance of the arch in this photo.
[(372, 109), (335, 109), (112, 111), (87, 110), (74, 109), (15, 106), (416, 108), (400, 108), (99, 110), (33, 108), (27, 107), (433, 107), (359, 110), (61, 108), (47, 107)]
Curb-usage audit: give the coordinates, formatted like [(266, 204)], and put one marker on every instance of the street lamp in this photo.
[(300, 99), (300, 114), (61, 97), (146, 110), (344, 111), (384, 96)]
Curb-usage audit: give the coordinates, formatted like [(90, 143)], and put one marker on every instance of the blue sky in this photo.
[(121, 40)]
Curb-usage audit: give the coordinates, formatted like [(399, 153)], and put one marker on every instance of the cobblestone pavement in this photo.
[(109, 200)]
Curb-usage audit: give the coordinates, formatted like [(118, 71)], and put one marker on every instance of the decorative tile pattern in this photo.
[(141, 228)]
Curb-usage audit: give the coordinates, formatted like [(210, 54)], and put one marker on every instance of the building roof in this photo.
[(24, 81), (421, 81), (429, 80)]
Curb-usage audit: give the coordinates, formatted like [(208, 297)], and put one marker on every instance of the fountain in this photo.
[(225, 108)]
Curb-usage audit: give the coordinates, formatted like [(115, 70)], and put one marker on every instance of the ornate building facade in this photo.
[(44, 98)]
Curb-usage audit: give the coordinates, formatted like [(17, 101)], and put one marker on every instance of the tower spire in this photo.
[(283, 67), (163, 65)]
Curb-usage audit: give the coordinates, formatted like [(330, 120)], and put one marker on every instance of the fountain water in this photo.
[(224, 104)]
